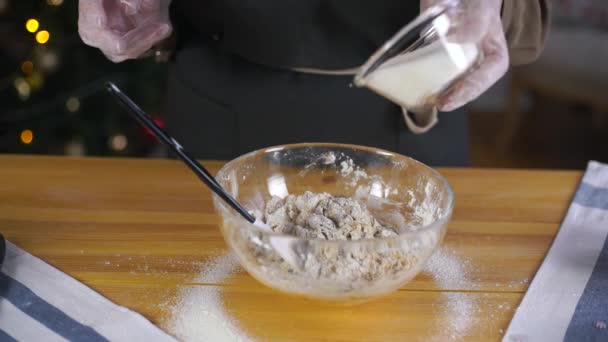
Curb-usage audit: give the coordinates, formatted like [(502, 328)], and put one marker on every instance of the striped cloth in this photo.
[(40, 303), (568, 298)]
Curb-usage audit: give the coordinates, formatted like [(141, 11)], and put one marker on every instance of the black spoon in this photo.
[(197, 168)]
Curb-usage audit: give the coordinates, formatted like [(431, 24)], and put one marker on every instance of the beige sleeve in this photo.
[(526, 23)]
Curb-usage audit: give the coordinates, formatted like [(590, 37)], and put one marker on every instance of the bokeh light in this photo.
[(49, 60), (118, 142), (75, 148), (3, 5), (26, 136), (72, 104), (32, 25), (27, 67), (23, 88), (35, 80), (42, 37)]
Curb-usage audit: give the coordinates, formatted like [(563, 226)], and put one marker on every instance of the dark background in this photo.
[(64, 103), (551, 114)]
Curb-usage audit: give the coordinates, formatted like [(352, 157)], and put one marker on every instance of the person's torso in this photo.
[(229, 95), (323, 34)]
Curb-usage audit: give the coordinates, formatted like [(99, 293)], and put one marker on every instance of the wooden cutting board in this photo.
[(137, 231)]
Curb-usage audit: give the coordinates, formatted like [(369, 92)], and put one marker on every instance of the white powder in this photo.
[(199, 313), (413, 80), (451, 272), (427, 210), (346, 167), (327, 158), (351, 172), (201, 316), (515, 283), (448, 270)]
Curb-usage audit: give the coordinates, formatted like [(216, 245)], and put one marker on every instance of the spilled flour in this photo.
[(450, 271), (199, 313)]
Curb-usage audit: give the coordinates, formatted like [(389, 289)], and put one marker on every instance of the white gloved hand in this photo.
[(487, 22), (123, 29)]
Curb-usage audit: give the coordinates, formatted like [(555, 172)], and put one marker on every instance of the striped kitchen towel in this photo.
[(40, 303), (568, 298)]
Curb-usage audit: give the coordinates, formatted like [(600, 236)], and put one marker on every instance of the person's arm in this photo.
[(516, 35), (526, 24)]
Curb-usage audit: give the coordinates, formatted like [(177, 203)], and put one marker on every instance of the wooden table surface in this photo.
[(137, 231)]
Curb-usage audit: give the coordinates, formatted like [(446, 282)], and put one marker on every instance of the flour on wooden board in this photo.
[(199, 313), (461, 310), (450, 271)]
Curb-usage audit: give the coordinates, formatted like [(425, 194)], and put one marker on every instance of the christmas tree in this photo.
[(52, 87)]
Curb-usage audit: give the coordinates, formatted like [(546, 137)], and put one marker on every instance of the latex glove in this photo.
[(123, 29), (487, 15)]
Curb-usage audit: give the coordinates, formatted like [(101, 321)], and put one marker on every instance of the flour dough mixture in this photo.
[(323, 216)]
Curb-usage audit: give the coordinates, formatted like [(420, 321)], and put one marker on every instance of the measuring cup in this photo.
[(427, 57)]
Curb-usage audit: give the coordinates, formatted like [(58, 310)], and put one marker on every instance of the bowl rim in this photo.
[(444, 218)]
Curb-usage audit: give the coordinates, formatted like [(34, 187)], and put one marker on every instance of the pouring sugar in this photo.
[(413, 80)]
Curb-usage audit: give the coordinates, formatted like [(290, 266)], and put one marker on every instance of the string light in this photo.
[(23, 88), (75, 148), (27, 67), (118, 142), (32, 25), (26, 136), (42, 37), (35, 80), (49, 60), (72, 104)]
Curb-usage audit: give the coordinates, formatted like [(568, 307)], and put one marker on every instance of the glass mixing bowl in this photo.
[(401, 193)]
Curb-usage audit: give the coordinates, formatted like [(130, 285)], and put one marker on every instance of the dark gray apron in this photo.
[(231, 90)]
